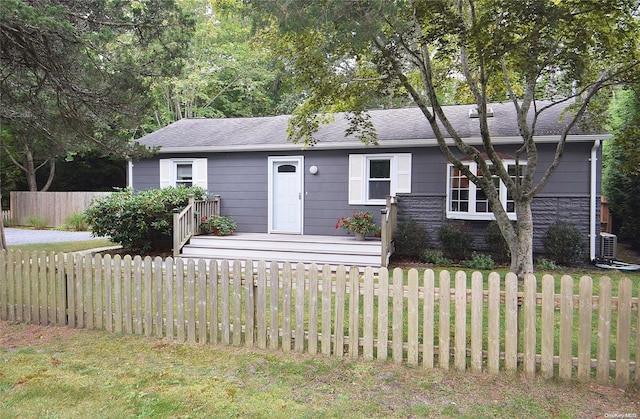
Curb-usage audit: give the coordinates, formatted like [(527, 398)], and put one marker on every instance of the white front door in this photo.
[(285, 194)]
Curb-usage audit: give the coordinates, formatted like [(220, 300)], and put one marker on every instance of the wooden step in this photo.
[(332, 250)]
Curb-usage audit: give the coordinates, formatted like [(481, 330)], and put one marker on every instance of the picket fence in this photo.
[(418, 318)]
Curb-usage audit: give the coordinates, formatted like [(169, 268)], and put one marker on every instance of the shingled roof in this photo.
[(395, 128)]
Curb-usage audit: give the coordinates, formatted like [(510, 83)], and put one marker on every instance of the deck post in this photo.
[(176, 224), (216, 204), (191, 221), (384, 234)]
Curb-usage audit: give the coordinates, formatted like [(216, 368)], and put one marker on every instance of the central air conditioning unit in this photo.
[(608, 246)]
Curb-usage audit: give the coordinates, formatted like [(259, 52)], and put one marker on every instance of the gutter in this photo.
[(592, 194), (351, 144)]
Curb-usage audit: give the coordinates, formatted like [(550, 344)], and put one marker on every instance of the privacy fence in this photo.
[(585, 330), (52, 207)]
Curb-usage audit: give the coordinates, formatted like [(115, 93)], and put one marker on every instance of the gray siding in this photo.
[(241, 180)]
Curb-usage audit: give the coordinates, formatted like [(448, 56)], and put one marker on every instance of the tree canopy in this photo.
[(344, 53), (74, 75), (621, 177), (225, 73)]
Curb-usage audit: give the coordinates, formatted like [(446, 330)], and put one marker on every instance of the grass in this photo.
[(73, 246), (61, 372)]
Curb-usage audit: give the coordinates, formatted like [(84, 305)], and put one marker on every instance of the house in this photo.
[(270, 185)]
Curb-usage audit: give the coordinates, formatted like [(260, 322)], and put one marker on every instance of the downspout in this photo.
[(593, 191), (129, 174)]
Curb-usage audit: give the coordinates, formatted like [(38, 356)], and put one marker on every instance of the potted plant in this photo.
[(218, 225), (360, 223)]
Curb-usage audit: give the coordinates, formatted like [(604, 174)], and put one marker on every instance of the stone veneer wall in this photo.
[(429, 212)]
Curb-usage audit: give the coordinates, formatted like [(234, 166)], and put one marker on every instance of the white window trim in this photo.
[(169, 175), (472, 214), (359, 176)]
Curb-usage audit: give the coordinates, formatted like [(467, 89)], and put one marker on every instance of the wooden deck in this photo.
[(322, 250)]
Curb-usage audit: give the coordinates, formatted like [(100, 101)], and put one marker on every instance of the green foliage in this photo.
[(436, 257), (496, 243), (564, 243), (455, 241), (547, 265), (37, 223), (411, 239), (219, 225), (85, 83), (225, 73), (76, 222), (139, 221), (621, 172), (480, 261)]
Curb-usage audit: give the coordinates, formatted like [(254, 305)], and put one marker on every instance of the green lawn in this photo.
[(73, 246), (61, 372)]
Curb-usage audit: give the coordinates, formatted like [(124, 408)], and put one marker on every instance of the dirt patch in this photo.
[(20, 335)]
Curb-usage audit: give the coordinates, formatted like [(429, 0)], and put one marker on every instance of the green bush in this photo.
[(455, 241), (547, 265), (480, 261), (36, 222), (564, 243), (496, 243), (411, 239), (139, 221), (436, 257), (76, 222), (218, 225)]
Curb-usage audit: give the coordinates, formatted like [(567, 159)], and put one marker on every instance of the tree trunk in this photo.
[(522, 252), (30, 171), (3, 241), (52, 173)]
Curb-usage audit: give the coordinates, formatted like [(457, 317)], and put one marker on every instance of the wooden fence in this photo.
[(54, 207), (495, 324)]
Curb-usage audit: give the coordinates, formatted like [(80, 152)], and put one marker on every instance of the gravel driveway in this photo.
[(25, 236)]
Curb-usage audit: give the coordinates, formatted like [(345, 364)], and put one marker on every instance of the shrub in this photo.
[(496, 243), (76, 222), (139, 221), (480, 261), (219, 225), (361, 222), (564, 243), (547, 265), (436, 257), (455, 241), (36, 222), (411, 239)]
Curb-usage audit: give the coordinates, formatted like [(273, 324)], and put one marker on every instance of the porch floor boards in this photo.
[(321, 250)]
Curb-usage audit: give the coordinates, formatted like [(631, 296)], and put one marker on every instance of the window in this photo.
[(466, 201), (183, 172), (378, 178), (373, 177)]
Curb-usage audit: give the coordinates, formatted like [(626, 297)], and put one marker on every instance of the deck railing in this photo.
[(185, 222), (388, 221)]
